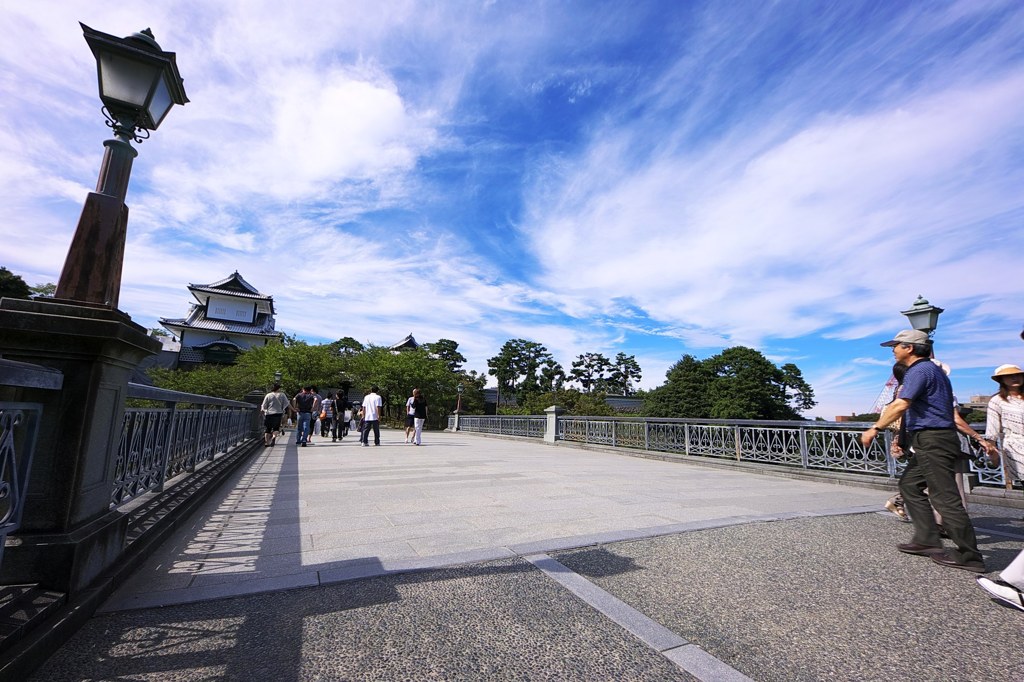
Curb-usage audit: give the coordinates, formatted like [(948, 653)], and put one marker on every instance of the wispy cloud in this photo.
[(654, 180)]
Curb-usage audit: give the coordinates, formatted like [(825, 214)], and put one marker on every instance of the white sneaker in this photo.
[(1007, 594)]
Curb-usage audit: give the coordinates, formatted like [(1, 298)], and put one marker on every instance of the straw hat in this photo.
[(1006, 371)]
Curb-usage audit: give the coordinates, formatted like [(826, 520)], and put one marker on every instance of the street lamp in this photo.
[(277, 378), (138, 84), (923, 316), (458, 406)]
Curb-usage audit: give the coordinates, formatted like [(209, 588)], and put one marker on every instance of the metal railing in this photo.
[(159, 443), (505, 425), (19, 428), (829, 446)]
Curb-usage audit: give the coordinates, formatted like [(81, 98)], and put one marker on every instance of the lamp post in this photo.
[(458, 406), (923, 316), (277, 378), (138, 85), (70, 536)]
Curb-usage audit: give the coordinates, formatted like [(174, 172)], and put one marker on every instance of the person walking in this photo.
[(328, 418), (926, 406), (274, 407), (314, 419), (303, 406), (1004, 424), (347, 420), (419, 405), (962, 466), (895, 503), (410, 417), (372, 405)]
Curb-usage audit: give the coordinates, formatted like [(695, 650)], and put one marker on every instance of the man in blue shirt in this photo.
[(926, 405)]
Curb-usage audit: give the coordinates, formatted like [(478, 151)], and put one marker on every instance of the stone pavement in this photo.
[(481, 558)]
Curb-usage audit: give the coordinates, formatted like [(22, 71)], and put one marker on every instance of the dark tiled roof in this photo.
[(232, 282), (205, 288), (407, 342), (263, 327)]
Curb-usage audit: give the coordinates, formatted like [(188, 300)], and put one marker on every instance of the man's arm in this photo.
[(891, 413)]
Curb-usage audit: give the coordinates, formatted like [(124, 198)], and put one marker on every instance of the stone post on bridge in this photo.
[(69, 535), (551, 431)]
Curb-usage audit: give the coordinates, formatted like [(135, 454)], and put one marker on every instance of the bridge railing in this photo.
[(529, 426), (19, 428), (160, 443), (830, 446)]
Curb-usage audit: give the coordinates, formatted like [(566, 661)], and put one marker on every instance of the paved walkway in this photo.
[(480, 558)]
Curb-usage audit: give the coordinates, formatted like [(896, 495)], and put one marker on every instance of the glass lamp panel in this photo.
[(125, 81), (161, 102)]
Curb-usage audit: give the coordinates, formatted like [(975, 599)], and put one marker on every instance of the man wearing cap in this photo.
[(926, 405)]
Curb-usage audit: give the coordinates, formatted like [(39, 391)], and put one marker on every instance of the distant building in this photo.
[(408, 343), (977, 402), (228, 317)]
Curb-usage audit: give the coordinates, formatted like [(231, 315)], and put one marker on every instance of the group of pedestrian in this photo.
[(331, 415), (927, 434)]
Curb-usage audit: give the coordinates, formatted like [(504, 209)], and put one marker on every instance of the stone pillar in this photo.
[(551, 432), (458, 413), (69, 535)]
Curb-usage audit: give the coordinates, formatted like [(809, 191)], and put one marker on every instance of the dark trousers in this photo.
[(931, 466), (375, 425)]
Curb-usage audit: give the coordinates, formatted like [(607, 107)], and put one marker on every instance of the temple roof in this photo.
[(197, 319), (233, 285), (407, 342)]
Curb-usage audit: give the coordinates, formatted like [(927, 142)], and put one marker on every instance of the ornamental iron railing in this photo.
[(505, 425), (159, 443), (827, 446), (19, 428)]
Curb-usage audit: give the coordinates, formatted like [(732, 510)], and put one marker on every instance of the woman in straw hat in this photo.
[(1005, 419)]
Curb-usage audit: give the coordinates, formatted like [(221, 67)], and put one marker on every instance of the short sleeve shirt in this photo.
[(275, 402), (371, 407), (930, 394)]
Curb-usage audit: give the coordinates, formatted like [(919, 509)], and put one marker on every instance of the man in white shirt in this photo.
[(372, 404), (275, 405)]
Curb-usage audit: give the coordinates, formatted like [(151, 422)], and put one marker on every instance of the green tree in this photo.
[(473, 384), (592, 371), (551, 375), (300, 365), (447, 351), (747, 385), (684, 394), (572, 400), (518, 368), (45, 290), (346, 346), (738, 383), (219, 381), (13, 286), (625, 370)]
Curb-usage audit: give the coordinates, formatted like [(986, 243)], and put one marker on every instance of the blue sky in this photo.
[(655, 178)]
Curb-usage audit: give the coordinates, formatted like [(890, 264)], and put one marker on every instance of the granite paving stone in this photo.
[(496, 621), (815, 599)]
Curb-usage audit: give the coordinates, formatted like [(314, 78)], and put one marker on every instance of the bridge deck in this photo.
[(474, 557)]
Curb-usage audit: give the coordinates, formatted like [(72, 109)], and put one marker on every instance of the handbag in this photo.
[(323, 414)]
